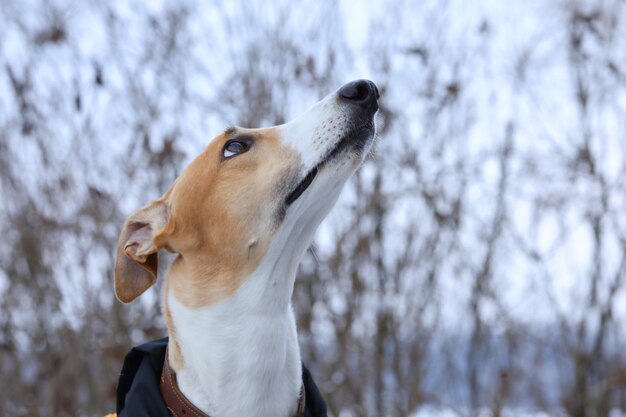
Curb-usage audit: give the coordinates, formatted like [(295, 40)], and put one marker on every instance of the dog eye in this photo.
[(235, 147)]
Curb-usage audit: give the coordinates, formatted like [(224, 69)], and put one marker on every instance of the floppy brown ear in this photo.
[(136, 261)]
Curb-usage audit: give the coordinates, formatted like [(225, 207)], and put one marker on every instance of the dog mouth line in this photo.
[(355, 136), (304, 184)]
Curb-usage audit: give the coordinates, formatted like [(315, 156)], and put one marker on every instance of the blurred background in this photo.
[(475, 265)]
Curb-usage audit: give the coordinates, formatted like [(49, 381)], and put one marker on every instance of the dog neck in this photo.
[(241, 355), (237, 361)]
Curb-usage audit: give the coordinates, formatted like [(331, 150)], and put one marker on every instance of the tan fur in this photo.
[(222, 216), (174, 354), (218, 216)]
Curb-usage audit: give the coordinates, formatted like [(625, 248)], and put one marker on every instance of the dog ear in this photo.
[(136, 260)]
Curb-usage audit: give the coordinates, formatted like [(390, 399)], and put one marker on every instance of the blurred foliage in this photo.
[(476, 261)]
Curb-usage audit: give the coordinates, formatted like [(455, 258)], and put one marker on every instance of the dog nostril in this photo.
[(362, 92), (355, 91)]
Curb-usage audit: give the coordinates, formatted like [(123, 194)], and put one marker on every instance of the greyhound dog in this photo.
[(239, 218)]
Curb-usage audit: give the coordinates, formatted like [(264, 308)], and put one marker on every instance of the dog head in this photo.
[(248, 189)]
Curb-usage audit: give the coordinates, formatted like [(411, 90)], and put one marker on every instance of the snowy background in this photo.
[(475, 265)]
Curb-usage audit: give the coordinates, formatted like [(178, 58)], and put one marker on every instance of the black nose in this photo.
[(361, 92)]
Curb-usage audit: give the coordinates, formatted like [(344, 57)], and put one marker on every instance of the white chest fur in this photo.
[(238, 361)]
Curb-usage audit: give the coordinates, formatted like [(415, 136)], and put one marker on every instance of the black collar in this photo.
[(138, 393)]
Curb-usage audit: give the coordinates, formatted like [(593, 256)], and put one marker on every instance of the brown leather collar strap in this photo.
[(179, 406)]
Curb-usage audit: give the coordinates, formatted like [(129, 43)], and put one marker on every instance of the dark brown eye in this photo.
[(235, 147)]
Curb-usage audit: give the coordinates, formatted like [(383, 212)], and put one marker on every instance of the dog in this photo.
[(239, 218)]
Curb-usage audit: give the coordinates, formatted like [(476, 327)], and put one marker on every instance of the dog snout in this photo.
[(361, 93)]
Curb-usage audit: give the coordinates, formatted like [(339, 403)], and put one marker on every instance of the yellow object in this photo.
[(111, 415)]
